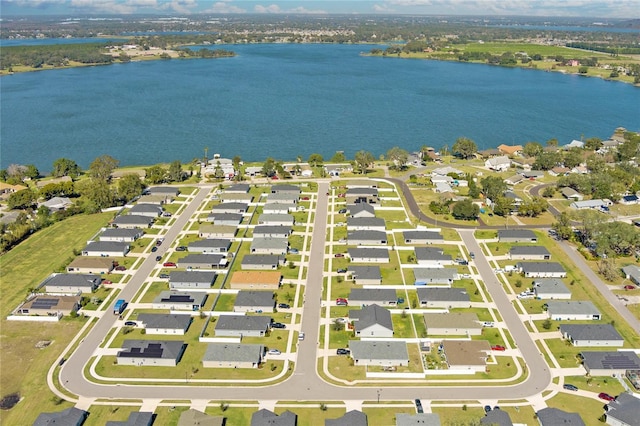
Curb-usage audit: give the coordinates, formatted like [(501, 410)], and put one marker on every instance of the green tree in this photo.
[(237, 162), (474, 191), (593, 144), (552, 142), (628, 149), (363, 159), (399, 157), (465, 210), (464, 148), (617, 238), (533, 207), (596, 164), (102, 167), (129, 187), (23, 199), (155, 174), (562, 226), (65, 167), (338, 157), (573, 157), (98, 195), (315, 159), (269, 167), (493, 187), (549, 191), (32, 171), (546, 161), (502, 206), (532, 149), (175, 173)]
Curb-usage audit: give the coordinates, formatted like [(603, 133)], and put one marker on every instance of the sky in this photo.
[(555, 8)]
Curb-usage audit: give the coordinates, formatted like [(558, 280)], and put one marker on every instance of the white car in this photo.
[(301, 336), (488, 324), (274, 352)]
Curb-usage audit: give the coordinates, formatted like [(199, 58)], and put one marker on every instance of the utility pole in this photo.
[(206, 158)]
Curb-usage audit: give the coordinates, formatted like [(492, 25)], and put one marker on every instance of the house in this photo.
[(350, 418), (629, 199), (510, 150), (420, 419), (361, 183), (229, 219), (136, 418), (559, 171), (180, 300), (242, 326), (365, 275), (176, 324), (207, 230), (158, 200), (517, 201), (491, 152), (551, 288), (57, 203), (623, 411), (366, 224), (571, 194), (513, 180), (283, 198), (632, 272), (498, 164), (203, 261), (610, 363), (529, 253), (496, 417), (191, 280), (440, 179), (193, 417), (237, 188), (253, 170), (71, 283), (517, 236), (362, 195), (121, 235), (432, 257), (533, 174), (582, 335), (276, 219), (236, 197), (470, 355), (442, 188), (372, 321), (163, 190), (452, 324), (541, 269), (422, 237), (47, 305), (90, 265), (269, 245), (554, 417), (252, 280), (379, 353), (597, 204), (70, 417), (572, 310), (278, 208), (265, 417), (270, 231), (442, 297), (106, 249), (334, 170), (210, 245), (7, 189), (437, 276), (574, 143), (131, 221), (232, 355), (444, 171), (148, 210), (361, 210), (373, 296), (261, 261), (254, 301), (285, 188), (364, 238), (230, 207), (157, 353), (369, 255)]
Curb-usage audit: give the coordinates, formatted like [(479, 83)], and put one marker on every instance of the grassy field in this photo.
[(589, 409)]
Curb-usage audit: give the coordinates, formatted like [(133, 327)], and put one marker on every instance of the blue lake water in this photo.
[(284, 100)]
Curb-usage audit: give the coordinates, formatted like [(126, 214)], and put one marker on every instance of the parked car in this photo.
[(487, 408), (274, 352), (294, 251), (154, 249), (278, 325), (169, 264), (340, 301), (159, 241), (342, 271), (343, 351), (301, 336), (419, 408), (130, 323), (338, 255), (283, 306), (341, 320), (305, 198), (472, 255), (606, 396), (181, 248), (342, 211), (166, 214), (107, 282), (120, 268), (158, 258), (570, 387), (498, 348), (163, 276), (488, 324), (630, 287)]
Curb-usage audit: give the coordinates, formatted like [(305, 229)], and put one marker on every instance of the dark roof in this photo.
[(422, 235), (260, 259), (265, 417), (226, 217), (167, 321), (367, 235), (373, 294), (106, 246), (121, 233), (625, 409), (497, 417), (360, 207), (242, 322), (590, 332), (365, 221), (146, 208), (379, 253), (440, 294), (192, 277), (271, 229), (202, 258), (159, 349), (351, 418), (211, 243), (230, 206), (372, 315), (556, 417), (75, 280), (516, 233), (69, 417), (254, 298), (431, 253), (133, 219), (285, 188), (541, 267), (529, 250), (238, 187), (137, 418), (361, 272), (611, 360), (163, 190)]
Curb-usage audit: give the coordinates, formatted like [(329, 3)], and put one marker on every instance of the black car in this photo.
[(342, 271), (342, 211), (487, 408), (283, 306), (130, 323), (278, 325), (163, 276), (154, 249), (343, 351), (181, 248), (158, 258), (570, 387), (419, 406)]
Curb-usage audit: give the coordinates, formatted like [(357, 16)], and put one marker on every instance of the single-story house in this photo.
[(90, 265), (366, 224), (265, 417), (361, 183), (47, 305), (253, 170), (380, 353), (242, 326), (420, 419), (572, 310), (229, 219), (499, 164), (149, 210), (253, 280), (422, 237), (437, 276), (541, 269), (122, 235), (513, 180), (529, 253), (106, 249), (165, 323), (364, 238), (443, 171), (365, 274), (629, 199), (180, 300), (230, 207), (510, 149), (571, 194), (466, 354), (232, 355), (71, 283), (237, 188), (136, 418), (372, 321), (581, 335), (610, 363), (261, 261), (278, 208), (271, 231), (236, 197), (432, 257), (254, 301), (203, 261), (278, 219), (551, 288), (443, 297), (623, 411), (362, 195), (158, 353), (590, 204), (193, 417), (131, 221), (361, 210), (156, 199), (72, 416), (559, 171), (283, 197), (191, 280), (497, 417), (163, 190), (350, 418), (369, 255), (452, 324), (285, 188), (533, 174), (517, 236), (554, 416), (632, 272), (207, 230), (269, 245), (373, 296), (442, 188), (210, 245)]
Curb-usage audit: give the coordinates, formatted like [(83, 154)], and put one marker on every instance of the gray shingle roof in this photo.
[(166, 321), (611, 360), (159, 349), (202, 259), (146, 208), (550, 286), (354, 209), (377, 236), (351, 418), (133, 219), (192, 277), (528, 250), (226, 217), (260, 259), (440, 273), (69, 417), (365, 272), (421, 419), (377, 253), (120, 233), (556, 417), (271, 229), (382, 350), (285, 188), (559, 307), (438, 294), (422, 235), (137, 418), (238, 187), (219, 243), (255, 298), (516, 233), (625, 409), (280, 244), (265, 417), (365, 222), (181, 297), (497, 417), (431, 253), (538, 267), (230, 352), (106, 246), (243, 322), (74, 280), (372, 315), (230, 206), (590, 331), (382, 295)]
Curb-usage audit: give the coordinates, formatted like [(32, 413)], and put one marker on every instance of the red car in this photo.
[(339, 255), (629, 287), (498, 348), (169, 264), (606, 396), (305, 198), (107, 282), (120, 268)]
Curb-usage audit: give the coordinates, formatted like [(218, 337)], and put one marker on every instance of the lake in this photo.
[(289, 100)]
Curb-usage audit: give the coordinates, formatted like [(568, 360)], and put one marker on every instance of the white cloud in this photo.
[(103, 6), (224, 7), (36, 4), (272, 8)]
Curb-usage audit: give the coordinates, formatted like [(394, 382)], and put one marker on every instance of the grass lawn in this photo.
[(566, 354), (596, 384), (153, 290), (101, 414), (342, 367), (386, 416), (225, 302), (589, 409), (459, 415), (402, 326)]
